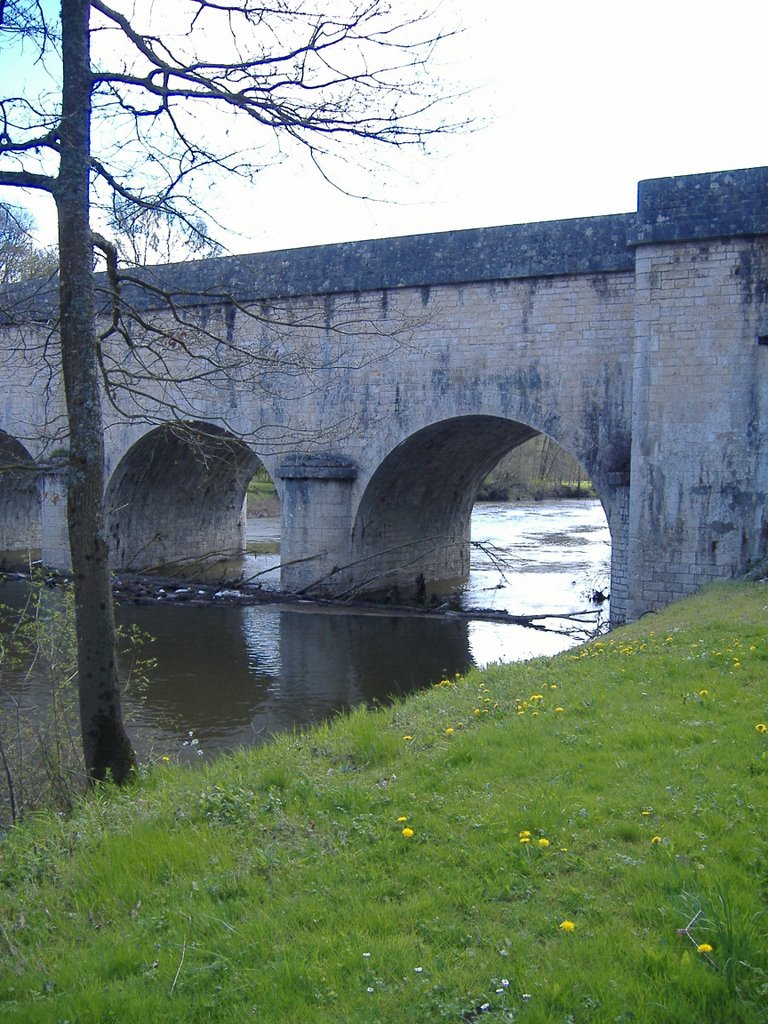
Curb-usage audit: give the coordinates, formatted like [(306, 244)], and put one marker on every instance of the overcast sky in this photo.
[(575, 100), (581, 99)]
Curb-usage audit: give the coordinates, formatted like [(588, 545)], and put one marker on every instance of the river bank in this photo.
[(564, 838)]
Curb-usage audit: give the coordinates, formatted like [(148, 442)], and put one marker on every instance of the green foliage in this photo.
[(559, 840), (40, 749), (536, 470), (262, 496), (39, 731)]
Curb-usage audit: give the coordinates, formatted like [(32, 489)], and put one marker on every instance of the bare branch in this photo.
[(120, 126), (28, 179)]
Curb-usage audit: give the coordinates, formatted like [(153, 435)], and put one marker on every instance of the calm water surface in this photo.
[(233, 676)]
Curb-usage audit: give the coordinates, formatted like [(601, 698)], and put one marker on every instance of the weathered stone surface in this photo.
[(392, 374)]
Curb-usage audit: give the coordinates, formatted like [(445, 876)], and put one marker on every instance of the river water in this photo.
[(232, 676)]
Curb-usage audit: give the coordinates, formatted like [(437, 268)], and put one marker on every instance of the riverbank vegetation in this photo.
[(262, 496), (581, 838), (41, 762), (536, 471)]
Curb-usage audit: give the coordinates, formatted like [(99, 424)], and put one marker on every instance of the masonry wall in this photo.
[(699, 460), (392, 372), (481, 368)]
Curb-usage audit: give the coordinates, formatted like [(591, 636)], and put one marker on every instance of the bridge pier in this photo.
[(19, 505), (316, 506), (54, 551)]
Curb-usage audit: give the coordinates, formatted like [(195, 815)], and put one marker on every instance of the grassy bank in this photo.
[(574, 839)]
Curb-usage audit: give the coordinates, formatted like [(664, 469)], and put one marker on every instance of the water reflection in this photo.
[(233, 675)]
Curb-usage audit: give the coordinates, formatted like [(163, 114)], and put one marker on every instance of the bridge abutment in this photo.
[(615, 496), (699, 483)]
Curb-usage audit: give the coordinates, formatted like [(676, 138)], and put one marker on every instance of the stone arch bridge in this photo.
[(378, 382)]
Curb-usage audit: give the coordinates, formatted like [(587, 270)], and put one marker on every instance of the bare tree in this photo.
[(142, 106), (20, 258), (148, 235)]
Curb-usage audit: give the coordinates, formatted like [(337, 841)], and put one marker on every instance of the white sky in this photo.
[(578, 99), (581, 98)]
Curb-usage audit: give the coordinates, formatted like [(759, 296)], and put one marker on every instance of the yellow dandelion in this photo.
[(559, 710), (525, 834), (567, 926), (165, 758), (703, 693), (655, 839), (407, 832), (402, 818), (761, 727), (524, 839), (449, 731), (543, 843), (704, 947), (407, 738)]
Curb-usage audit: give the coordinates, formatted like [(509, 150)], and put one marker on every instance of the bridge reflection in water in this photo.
[(233, 676)]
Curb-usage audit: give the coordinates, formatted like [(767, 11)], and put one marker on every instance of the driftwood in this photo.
[(149, 590), (154, 590)]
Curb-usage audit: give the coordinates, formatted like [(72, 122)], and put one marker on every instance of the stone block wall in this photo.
[(699, 460), (638, 342)]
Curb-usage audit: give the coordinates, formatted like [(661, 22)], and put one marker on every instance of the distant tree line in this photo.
[(538, 469), (21, 259)]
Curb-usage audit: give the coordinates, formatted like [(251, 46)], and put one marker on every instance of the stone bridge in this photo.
[(379, 382)]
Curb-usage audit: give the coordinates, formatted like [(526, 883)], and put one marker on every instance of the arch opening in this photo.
[(20, 505), (176, 502), (412, 531)]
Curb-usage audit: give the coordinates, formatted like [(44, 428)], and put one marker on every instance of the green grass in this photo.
[(277, 885), (261, 488)]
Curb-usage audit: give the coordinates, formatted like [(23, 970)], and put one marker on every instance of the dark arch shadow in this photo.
[(20, 506), (412, 528), (176, 500)]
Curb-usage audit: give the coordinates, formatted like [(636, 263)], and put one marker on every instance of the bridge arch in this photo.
[(20, 505), (412, 526), (177, 498)]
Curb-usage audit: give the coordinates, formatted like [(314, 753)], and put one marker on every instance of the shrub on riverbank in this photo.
[(581, 838)]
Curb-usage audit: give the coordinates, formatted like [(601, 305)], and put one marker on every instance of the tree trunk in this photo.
[(107, 749)]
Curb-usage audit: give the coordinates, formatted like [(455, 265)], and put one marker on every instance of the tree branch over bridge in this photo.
[(126, 116)]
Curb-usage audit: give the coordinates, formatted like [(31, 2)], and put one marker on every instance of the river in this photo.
[(232, 676)]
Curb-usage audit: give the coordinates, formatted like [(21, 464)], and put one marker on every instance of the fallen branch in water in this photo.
[(154, 590)]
